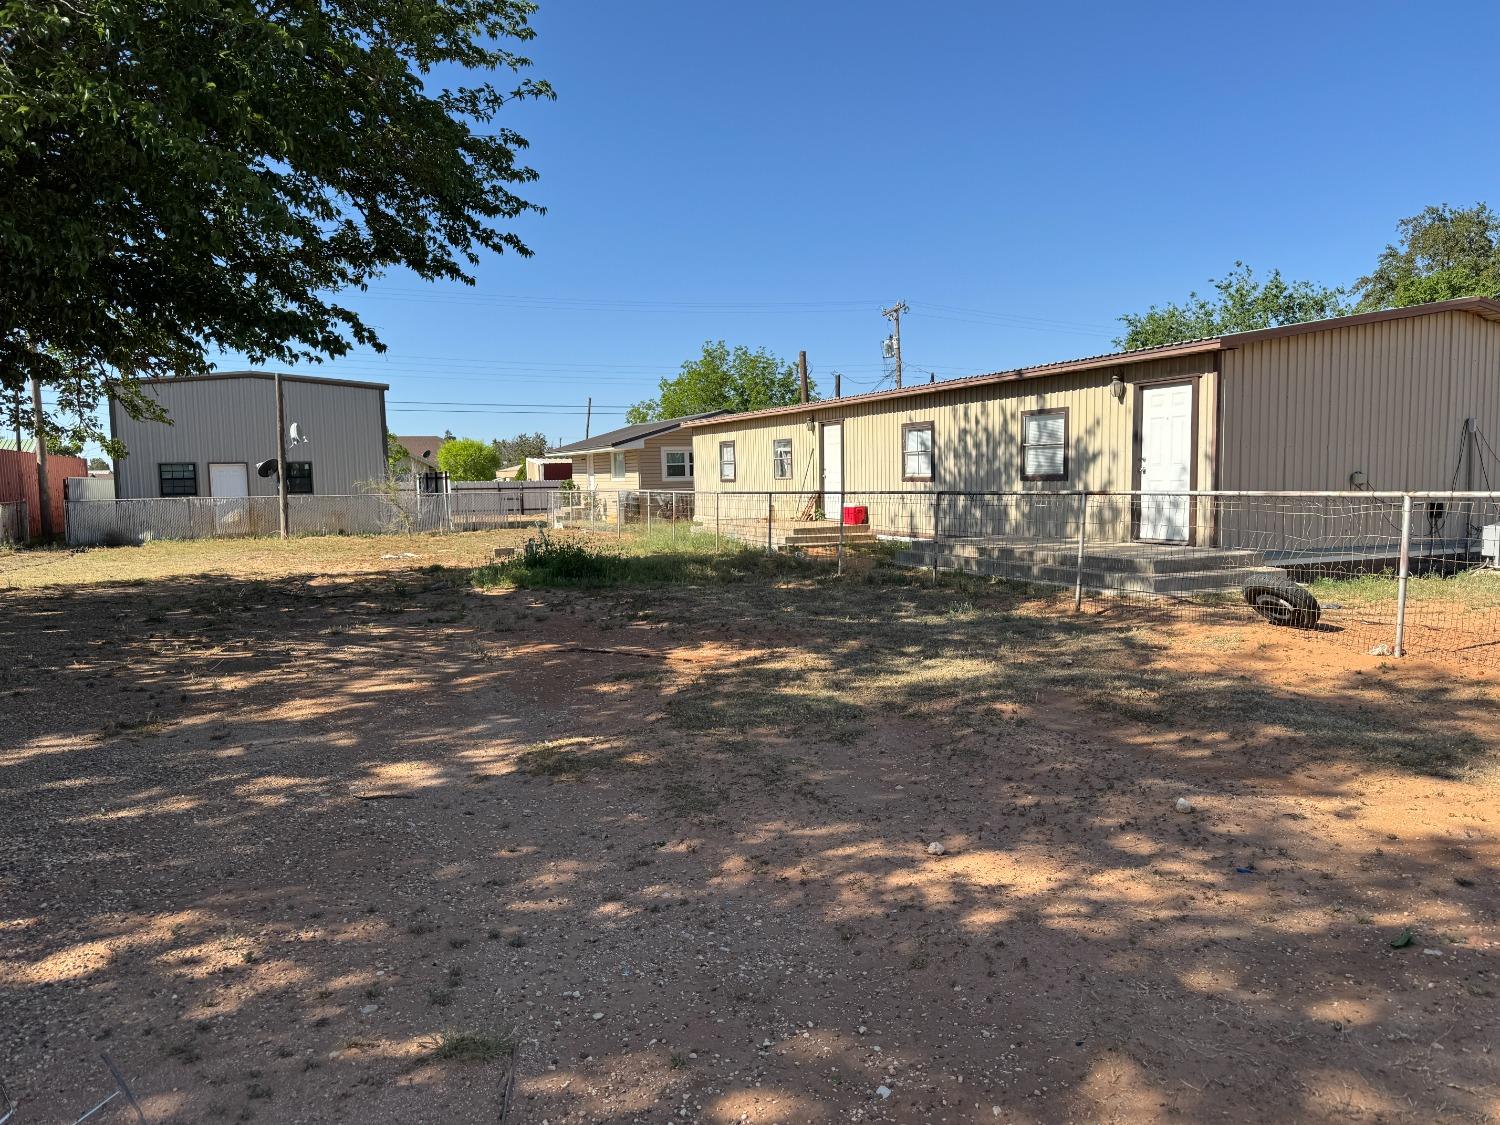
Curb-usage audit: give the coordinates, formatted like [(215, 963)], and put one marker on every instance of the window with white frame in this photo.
[(677, 464), (781, 458), (916, 451), (726, 460), (617, 466), (1044, 445)]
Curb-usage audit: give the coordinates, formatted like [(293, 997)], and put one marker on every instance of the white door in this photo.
[(1166, 455), (591, 473), (833, 469), (229, 485)]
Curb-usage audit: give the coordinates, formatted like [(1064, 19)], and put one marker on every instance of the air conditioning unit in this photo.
[(1489, 543)]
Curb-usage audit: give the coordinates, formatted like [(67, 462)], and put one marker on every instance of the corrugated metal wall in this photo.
[(976, 435), (233, 419), (1387, 399)]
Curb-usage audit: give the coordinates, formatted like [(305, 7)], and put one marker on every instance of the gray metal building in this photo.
[(222, 425)]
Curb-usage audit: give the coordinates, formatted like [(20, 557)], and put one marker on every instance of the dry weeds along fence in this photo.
[(1395, 572)]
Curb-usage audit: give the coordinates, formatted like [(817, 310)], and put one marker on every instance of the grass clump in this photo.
[(473, 1046), (567, 759), (549, 560)]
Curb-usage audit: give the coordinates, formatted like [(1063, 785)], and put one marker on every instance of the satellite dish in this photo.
[(266, 468)]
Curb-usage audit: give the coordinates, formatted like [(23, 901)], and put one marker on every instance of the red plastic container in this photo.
[(856, 514)]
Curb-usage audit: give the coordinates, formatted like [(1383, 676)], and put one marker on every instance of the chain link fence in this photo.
[(15, 523), (1392, 572), (118, 523)]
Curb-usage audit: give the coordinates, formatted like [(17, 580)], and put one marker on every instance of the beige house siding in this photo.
[(976, 435), (643, 467)]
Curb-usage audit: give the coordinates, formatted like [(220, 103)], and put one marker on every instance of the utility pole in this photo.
[(588, 418), (801, 376), (281, 501), (893, 314), (837, 389), (44, 500)]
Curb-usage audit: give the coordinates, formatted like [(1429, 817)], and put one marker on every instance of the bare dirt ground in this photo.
[(274, 819)]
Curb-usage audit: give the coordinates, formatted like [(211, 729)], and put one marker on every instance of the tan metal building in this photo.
[(223, 425), (1401, 399)]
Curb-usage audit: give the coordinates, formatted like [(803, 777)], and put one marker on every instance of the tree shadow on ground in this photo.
[(264, 841)]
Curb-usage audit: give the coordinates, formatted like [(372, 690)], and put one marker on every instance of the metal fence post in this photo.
[(937, 504), (770, 518), (648, 515), (674, 519), (1404, 575), (619, 515), (718, 518), (841, 537), (1083, 523)]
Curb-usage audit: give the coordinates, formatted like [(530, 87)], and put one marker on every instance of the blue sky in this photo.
[(774, 173)]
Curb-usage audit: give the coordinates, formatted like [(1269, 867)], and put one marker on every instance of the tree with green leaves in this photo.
[(395, 452), (1442, 253), (180, 179), (1241, 302), (517, 449), (722, 379), (468, 459)]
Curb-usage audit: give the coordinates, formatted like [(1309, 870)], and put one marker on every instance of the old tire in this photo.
[(1281, 601)]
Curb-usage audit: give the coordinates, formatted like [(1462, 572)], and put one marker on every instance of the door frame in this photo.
[(242, 464), (1193, 456), (843, 464)]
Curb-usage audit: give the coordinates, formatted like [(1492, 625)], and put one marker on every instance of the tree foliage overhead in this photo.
[(1442, 253), (177, 179), (722, 379), (1241, 303), (517, 449), (468, 459)]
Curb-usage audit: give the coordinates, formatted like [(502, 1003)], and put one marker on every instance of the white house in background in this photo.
[(223, 425), (650, 455)]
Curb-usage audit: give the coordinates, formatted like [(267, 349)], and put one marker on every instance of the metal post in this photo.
[(718, 518), (648, 515), (1083, 523), (937, 504), (619, 515), (1405, 574), (770, 517), (841, 537), (282, 517), (674, 519)]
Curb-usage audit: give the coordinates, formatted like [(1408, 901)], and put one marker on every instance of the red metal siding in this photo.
[(18, 481)]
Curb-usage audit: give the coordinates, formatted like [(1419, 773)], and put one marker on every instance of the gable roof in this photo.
[(1486, 307), (628, 435), (421, 449)]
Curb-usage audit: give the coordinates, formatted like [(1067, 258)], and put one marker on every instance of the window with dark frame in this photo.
[(916, 451), (781, 459), (726, 460), (299, 478), (1044, 444), (177, 478), (677, 464)]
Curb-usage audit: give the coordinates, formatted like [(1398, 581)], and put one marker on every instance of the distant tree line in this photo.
[(1442, 253)]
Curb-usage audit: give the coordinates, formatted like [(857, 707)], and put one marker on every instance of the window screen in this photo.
[(1044, 445), (781, 458), (299, 477), (916, 451), (177, 478)]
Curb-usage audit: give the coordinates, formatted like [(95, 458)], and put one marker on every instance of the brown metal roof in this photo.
[(1486, 307)]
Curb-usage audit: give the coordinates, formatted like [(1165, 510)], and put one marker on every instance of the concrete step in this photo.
[(1170, 584), (1126, 558)]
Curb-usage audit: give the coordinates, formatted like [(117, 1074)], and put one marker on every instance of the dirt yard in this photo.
[(307, 833)]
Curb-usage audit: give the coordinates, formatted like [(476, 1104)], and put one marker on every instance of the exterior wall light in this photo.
[(1117, 388)]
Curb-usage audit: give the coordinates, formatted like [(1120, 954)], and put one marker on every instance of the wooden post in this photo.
[(801, 376), (281, 500), (44, 502)]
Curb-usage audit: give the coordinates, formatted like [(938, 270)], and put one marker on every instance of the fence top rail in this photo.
[(1221, 494)]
